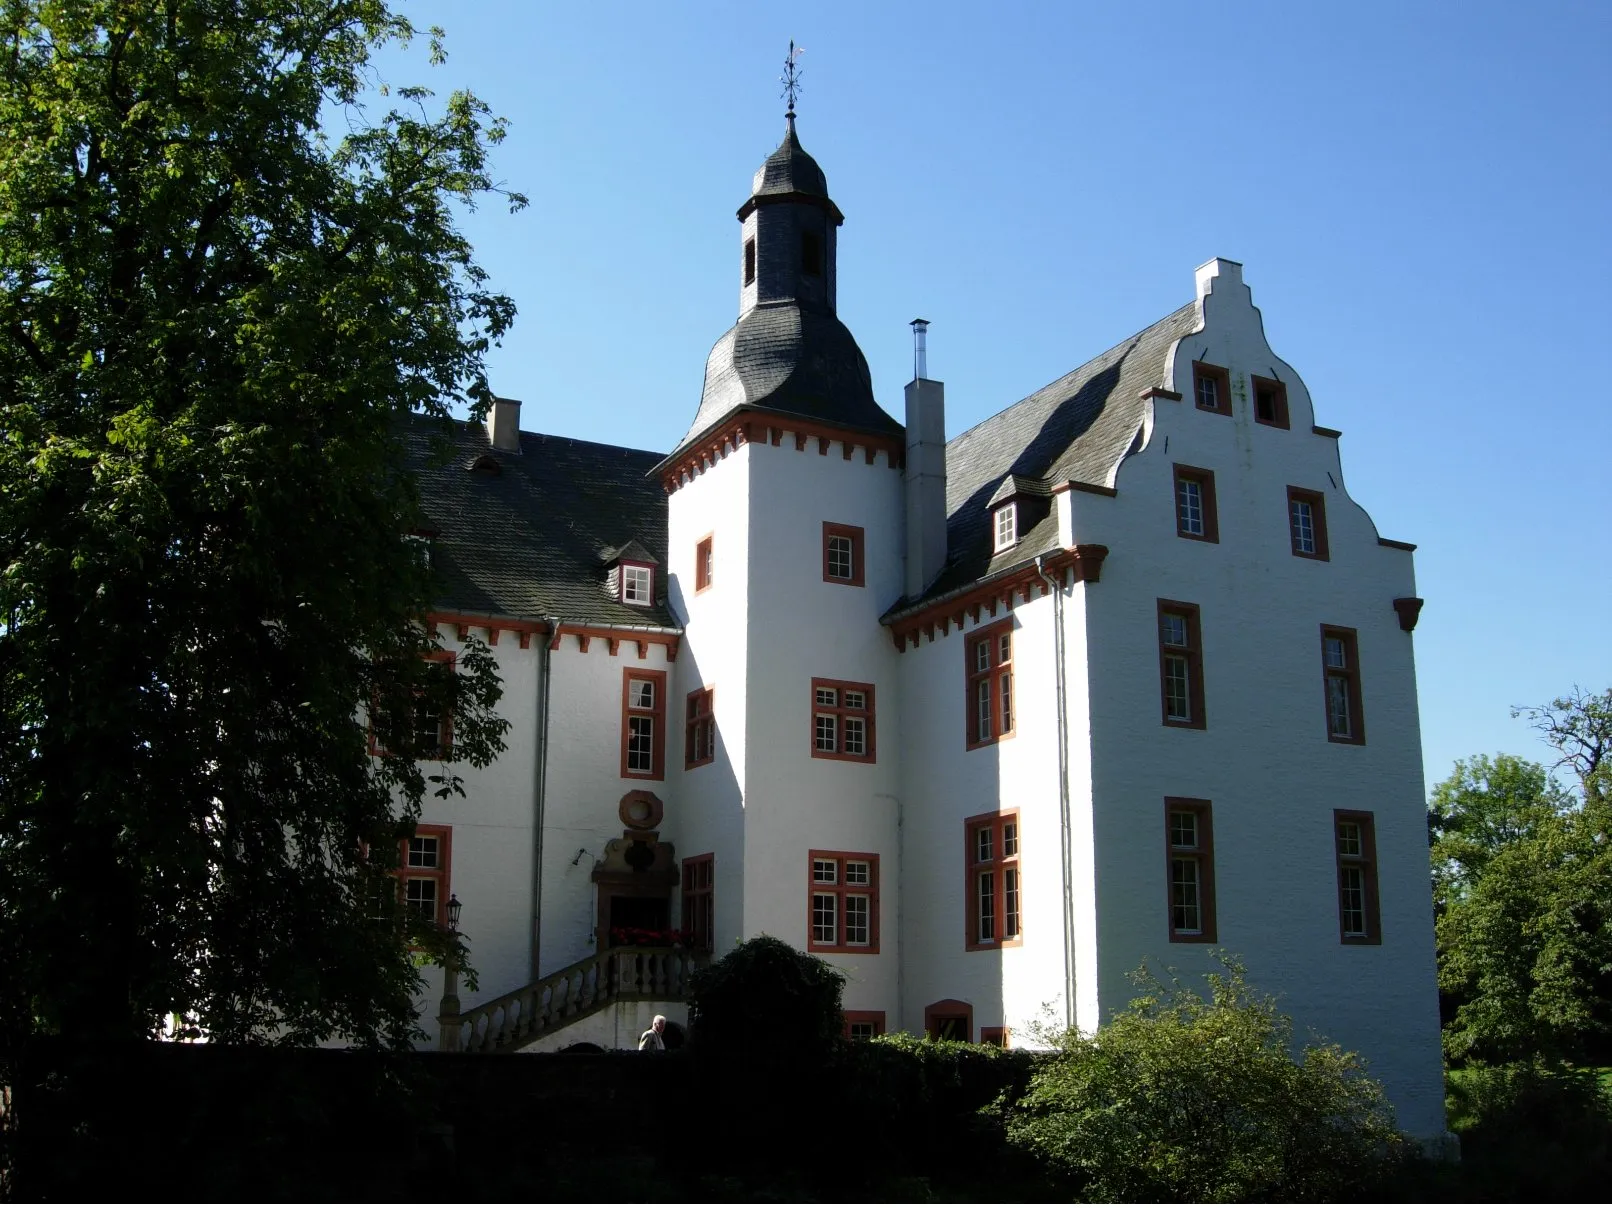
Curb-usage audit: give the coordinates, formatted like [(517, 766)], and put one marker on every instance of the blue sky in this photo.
[(1419, 194)]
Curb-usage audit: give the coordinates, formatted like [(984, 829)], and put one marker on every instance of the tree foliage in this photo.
[(1188, 1098), (1524, 942), (767, 1003), (213, 321)]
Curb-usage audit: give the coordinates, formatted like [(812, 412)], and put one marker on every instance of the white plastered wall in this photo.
[(1263, 759)]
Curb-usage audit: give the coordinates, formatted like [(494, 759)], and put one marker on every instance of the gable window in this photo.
[(424, 862), (811, 254), (1180, 664), (842, 720), (703, 564), (699, 910), (1005, 527), (699, 728), (637, 584), (1211, 388), (843, 911), (989, 708), (749, 261), (1270, 402), (842, 554), (1195, 513), (1355, 837), (863, 1025), (1190, 870), (1307, 523), (995, 893), (643, 725), (1340, 669)]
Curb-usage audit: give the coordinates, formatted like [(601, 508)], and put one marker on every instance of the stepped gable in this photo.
[(528, 535), (1078, 428)]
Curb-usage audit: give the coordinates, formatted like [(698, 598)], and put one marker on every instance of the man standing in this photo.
[(650, 1041)]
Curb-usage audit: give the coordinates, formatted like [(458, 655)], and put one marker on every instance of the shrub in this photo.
[(1532, 1131), (767, 1002), (1183, 1098)]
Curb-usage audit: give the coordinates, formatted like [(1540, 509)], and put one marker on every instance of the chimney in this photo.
[(504, 424), (925, 477)]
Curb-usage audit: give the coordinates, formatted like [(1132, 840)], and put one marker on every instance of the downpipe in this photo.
[(540, 765), (1065, 848)]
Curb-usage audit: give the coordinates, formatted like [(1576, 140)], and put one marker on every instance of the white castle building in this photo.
[(1120, 674)]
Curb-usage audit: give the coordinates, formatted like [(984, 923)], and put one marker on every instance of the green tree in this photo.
[(213, 322), (1524, 943), (1183, 1097), (1484, 806)]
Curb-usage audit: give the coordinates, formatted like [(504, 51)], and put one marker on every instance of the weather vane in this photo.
[(791, 77)]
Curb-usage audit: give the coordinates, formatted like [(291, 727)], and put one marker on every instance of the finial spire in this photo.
[(791, 79)]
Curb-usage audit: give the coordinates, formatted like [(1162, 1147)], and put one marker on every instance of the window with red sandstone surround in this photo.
[(699, 728), (843, 902), (699, 904), (1196, 517), (989, 707), (995, 892), (994, 1036), (949, 1019), (643, 725), (1211, 388), (1355, 836), (842, 721), (1340, 670), (842, 554), (1270, 402), (1190, 869), (1307, 523), (863, 1025), (702, 564), (425, 727), (424, 864), (1181, 664)]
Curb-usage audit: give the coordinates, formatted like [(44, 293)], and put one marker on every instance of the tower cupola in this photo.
[(789, 231)]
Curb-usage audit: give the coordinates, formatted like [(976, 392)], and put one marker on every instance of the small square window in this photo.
[(842, 554), (1270, 402)]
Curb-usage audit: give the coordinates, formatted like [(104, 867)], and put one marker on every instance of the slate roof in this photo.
[(1077, 429), (790, 361), (789, 170), (534, 539)]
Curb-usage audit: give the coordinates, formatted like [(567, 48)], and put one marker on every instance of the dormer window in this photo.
[(637, 584), (1006, 526)]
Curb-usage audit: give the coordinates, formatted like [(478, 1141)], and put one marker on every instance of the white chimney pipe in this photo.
[(925, 476), (504, 425)]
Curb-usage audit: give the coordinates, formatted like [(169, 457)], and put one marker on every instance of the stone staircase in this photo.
[(510, 1023)]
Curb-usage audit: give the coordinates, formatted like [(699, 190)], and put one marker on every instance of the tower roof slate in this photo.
[(790, 361), (533, 539), (789, 170)]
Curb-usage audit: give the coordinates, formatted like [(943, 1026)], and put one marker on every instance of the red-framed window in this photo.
[(997, 1037), (699, 901), (699, 728), (995, 890), (637, 584), (428, 726), (1354, 834), (1181, 665), (1270, 402), (1196, 516), (1189, 856), (863, 1025), (843, 721), (643, 724), (842, 902), (842, 554), (1340, 671), (704, 563), (1211, 388), (949, 1019), (425, 864), (1307, 523), (988, 654)]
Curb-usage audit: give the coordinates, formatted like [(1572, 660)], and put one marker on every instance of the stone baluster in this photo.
[(573, 994)]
